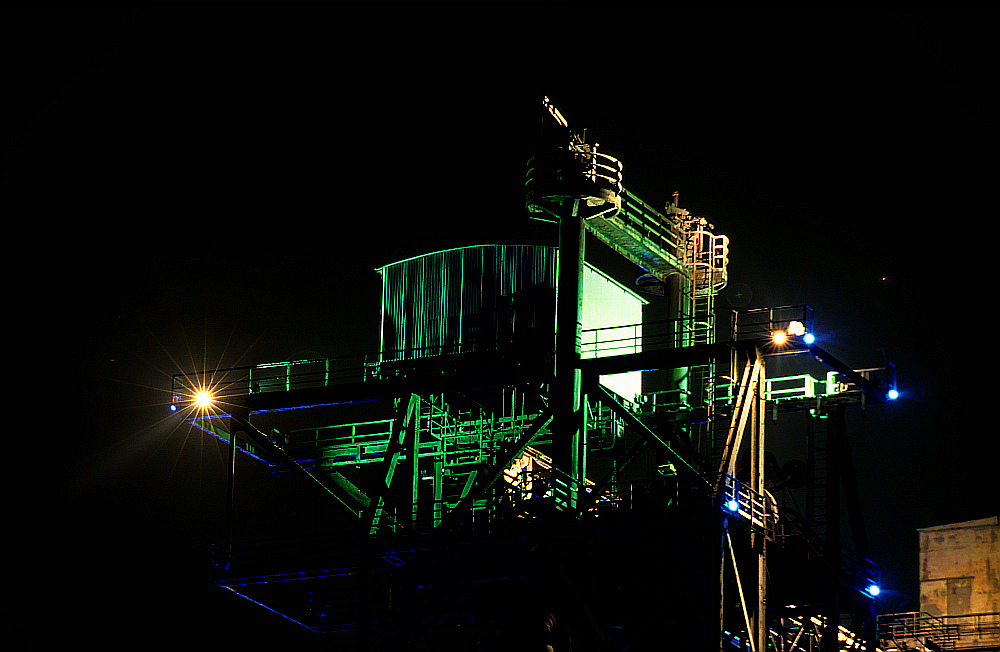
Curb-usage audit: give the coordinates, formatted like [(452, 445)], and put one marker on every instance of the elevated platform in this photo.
[(923, 631), (643, 235), (468, 473)]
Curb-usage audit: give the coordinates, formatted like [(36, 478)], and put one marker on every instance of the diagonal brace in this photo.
[(486, 479), (335, 486), (739, 589), (737, 425), (402, 423), (644, 431)]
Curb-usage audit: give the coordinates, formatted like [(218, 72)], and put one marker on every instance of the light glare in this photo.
[(892, 395), (808, 338), (203, 399), (873, 590), (779, 337)]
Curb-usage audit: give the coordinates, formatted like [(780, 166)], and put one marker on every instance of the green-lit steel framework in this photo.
[(480, 457)]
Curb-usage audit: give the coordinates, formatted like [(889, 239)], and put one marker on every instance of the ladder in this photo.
[(705, 261), (816, 487)]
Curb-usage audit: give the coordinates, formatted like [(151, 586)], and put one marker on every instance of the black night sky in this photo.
[(190, 188)]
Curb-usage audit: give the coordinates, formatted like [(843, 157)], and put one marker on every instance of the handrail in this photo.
[(761, 322), (912, 624), (299, 374), (759, 509), (324, 372), (965, 631)]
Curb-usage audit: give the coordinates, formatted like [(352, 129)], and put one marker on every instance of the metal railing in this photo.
[(975, 630), (632, 338), (952, 632), (577, 170), (650, 227), (918, 625), (762, 322), (597, 342), (312, 373), (758, 509), (272, 377)]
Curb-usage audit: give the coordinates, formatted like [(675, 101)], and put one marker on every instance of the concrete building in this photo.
[(959, 591), (960, 568)]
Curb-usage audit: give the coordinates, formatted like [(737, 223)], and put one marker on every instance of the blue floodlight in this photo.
[(873, 590), (733, 505), (173, 407), (892, 395), (808, 338)]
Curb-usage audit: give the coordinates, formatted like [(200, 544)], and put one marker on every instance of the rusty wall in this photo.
[(960, 568)]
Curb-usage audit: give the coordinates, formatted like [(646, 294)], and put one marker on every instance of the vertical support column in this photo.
[(438, 489), (680, 314), (831, 610), (569, 444), (234, 429), (723, 533), (413, 446), (581, 443), (758, 540), (863, 622), (230, 494), (849, 479)]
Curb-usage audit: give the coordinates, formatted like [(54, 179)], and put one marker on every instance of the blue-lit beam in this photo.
[(871, 389), (286, 577), (336, 486), (243, 595)]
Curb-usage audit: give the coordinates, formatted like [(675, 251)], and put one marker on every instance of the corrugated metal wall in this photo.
[(501, 297), (472, 298)]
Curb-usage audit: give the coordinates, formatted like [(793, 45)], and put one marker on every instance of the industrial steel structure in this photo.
[(546, 453)]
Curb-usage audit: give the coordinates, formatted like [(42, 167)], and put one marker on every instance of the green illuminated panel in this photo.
[(607, 306), (471, 298), (501, 297)]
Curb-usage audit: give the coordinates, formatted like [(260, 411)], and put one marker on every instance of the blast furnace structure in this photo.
[(545, 453)]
